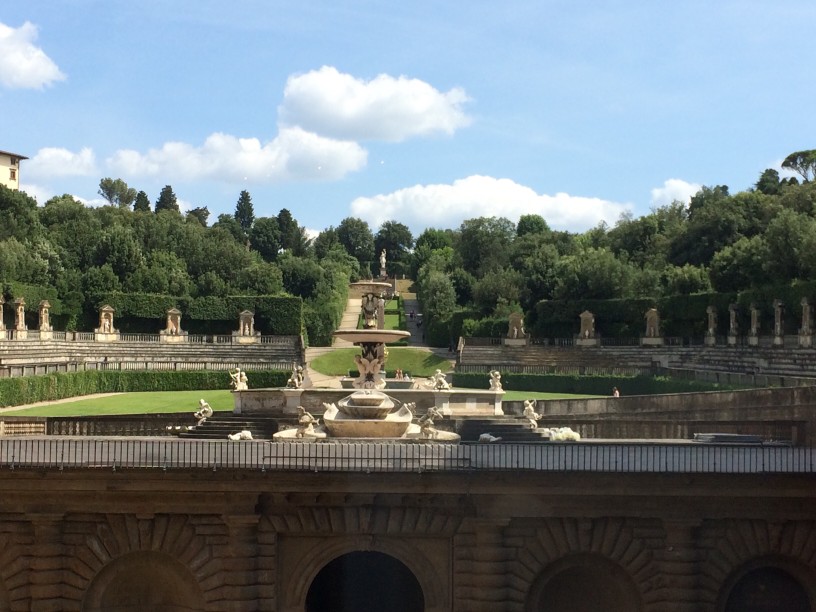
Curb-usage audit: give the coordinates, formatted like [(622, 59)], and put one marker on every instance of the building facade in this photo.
[(10, 169), (240, 527)]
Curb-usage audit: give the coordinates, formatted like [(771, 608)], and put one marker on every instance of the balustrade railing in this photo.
[(124, 453)]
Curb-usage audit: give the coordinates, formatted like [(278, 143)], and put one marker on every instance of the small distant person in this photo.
[(615, 392)]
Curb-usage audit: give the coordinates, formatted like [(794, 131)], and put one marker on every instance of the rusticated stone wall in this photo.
[(92, 539)]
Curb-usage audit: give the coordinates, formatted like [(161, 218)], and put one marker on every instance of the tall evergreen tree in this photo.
[(244, 213), (117, 192), (142, 203), (167, 200)]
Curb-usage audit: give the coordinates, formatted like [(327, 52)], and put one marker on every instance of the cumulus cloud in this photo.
[(389, 108), (293, 154), (674, 190), (23, 65), (484, 196), (39, 192), (54, 162)]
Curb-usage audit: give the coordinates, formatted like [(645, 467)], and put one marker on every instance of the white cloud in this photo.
[(484, 196), (293, 154), (39, 192), (22, 64), (54, 162), (674, 190), (328, 102)]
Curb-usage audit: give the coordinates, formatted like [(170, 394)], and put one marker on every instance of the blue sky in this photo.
[(427, 113)]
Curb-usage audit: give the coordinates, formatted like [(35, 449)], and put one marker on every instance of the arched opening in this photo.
[(365, 582), (768, 589), (584, 583), (143, 581)]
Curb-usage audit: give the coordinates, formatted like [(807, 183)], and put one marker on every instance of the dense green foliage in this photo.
[(20, 390)]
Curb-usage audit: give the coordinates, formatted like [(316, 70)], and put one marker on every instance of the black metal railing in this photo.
[(85, 453)]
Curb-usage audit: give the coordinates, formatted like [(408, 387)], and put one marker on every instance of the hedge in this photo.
[(21, 390), (588, 385)]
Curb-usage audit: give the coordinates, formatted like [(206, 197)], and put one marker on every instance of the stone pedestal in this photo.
[(710, 340), (514, 341), (805, 340), (292, 398), (651, 341), (107, 337), (753, 340), (778, 340), (239, 339), (46, 334), (179, 338), (20, 334), (442, 402), (732, 340), (587, 342)]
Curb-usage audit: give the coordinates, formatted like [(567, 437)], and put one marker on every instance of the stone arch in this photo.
[(617, 541), (319, 552), (144, 580), (584, 582), (734, 547), (114, 537), (363, 581), (772, 584)]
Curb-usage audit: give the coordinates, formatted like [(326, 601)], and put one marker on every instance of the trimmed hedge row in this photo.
[(589, 385), (29, 389)]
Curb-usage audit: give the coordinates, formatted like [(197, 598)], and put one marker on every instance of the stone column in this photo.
[(20, 328), (46, 331), (779, 323), (805, 332), (2, 312), (753, 333), (711, 331), (733, 327)]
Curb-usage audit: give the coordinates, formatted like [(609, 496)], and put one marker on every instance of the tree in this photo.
[(686, 280), (531, 224), (485, 244), (437, 295), (802, 162), (768, 182), (200, 215), (244, 213), (18, 215), (293, 237), (740, 265), (356, 237), (325, 242), (142, 203), (228, 224), (265, 238), (497, 287), (167, 200), (116, 192), (592, 274)]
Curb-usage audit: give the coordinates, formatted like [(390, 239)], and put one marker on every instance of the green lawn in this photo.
[(418, 362), (133, 403)]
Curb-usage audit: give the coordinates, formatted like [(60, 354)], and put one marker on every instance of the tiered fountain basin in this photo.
[(371, 336), (375, 287), (367, 414)]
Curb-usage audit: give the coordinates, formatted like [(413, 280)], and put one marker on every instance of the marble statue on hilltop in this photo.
[(495, 381), (530, 414), (203, 413)]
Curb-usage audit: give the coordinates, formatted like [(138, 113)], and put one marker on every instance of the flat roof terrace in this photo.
[(656, 457)]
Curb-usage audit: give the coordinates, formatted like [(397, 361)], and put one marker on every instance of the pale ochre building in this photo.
[(10, 169)]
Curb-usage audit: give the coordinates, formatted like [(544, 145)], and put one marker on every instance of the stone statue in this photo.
[(19, 310), (516, 326), (652, 323), (45, 324), (711, 311), (779, 327), (438, 382), (587, 325), (426, 423), (754, 320), (306, 423), (733, 328), (239, 381), (244, 434), (382, 263), (806, 312), (203, 413), (495, 381), (369, 369), (530, 414), (296, 379)]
